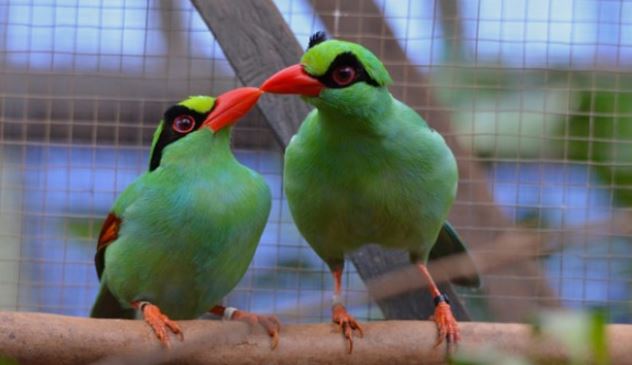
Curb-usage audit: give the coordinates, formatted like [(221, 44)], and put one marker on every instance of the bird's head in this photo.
[(343, 76), (199, 115)]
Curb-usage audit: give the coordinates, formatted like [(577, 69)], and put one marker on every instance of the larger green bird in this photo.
[(366, 168), (182, 235)]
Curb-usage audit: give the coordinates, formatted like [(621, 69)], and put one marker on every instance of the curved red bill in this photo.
[(293, 80), (231, 106)]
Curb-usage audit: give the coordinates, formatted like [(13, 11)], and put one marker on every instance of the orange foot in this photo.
[(446, 324), (160, 323), (270, 323), (346, 323)]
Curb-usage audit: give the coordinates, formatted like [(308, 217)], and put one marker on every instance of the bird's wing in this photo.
[(449, 243), (107, 306), (112, 224), (108, 234)]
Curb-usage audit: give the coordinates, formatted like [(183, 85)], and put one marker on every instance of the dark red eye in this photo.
[(344, 75), (183, 123)]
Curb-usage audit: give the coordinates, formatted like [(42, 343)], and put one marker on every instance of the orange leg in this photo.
[(270, 323), (346, 323), (446, 323), (158, 322)]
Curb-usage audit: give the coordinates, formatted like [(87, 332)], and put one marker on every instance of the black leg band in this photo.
[(441, 298)]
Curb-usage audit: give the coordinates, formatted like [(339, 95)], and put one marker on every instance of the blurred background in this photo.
[(535, 96)]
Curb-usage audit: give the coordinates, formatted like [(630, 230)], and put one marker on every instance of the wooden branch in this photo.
[(36, 338), (258, 50), (526, 246), (511, 300)]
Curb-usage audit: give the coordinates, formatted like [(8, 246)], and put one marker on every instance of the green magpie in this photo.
[(182, 235), (366, 168)]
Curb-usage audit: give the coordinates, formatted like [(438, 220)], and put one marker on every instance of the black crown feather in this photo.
[(316, 38)]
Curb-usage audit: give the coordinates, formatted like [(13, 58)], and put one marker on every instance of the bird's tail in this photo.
[(449, 243), (107, 306)]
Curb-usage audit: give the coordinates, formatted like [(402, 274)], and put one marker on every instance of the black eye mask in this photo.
[(169, 135), (346, 59)]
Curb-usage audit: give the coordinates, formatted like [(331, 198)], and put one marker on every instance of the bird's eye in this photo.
[(344, 75), (183, 123)]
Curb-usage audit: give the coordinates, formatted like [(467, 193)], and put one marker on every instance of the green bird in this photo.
[(365, 168), (182, 235)]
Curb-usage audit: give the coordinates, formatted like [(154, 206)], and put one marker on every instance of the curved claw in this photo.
[(346, 324), (159, 323), (447, 325), (270, 323)]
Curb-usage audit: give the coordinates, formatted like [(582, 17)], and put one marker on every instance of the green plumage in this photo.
[(366, 168), (189, 228), (317, 60)]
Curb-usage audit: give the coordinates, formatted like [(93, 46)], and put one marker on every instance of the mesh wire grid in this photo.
[(537, 93)]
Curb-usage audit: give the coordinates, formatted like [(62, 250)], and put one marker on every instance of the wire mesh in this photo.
[(536, 94)]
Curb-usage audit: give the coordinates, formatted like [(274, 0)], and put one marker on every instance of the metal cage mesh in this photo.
[(536, 94)]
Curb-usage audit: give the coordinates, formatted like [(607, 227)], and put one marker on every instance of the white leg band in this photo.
[(228, 313), (141, 305)]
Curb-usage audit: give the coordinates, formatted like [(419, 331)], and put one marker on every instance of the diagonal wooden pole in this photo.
[(258, 42)]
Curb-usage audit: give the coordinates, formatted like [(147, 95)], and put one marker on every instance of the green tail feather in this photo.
[(449, 243), (107, 306)]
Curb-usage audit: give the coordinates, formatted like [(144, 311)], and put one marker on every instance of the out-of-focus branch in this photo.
[(511, 247), (35, 338)]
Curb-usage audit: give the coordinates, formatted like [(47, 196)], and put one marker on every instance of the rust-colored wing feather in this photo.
[(109, 233)]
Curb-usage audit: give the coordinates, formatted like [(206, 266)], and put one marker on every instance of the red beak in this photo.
[(231, 106), (293, 80)]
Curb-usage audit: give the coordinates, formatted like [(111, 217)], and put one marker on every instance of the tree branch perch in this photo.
[(37, 338)]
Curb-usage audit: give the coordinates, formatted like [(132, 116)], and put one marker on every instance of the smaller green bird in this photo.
[(366, 168), (182, 235)]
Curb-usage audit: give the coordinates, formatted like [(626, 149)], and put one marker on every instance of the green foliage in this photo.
[(582, 334), (4, 360), (487, 356), (82, 228), (598, 336), (504, 113), (600, 133)]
